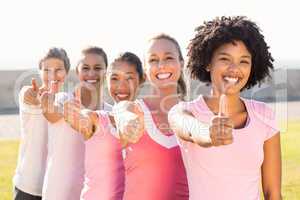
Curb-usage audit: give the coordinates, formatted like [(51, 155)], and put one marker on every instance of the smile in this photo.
[(122, 96), (231, 80), (162, 76), (91, 81)]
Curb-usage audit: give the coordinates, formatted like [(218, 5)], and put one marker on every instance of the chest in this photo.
[(161, 122), (244, 154)]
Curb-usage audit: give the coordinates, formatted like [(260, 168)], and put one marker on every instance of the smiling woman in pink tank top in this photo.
[(104, 168), (153, 164)]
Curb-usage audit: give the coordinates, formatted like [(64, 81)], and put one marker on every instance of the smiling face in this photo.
[(123, 81), (53, 69), (163, 66), (91, 69), (230, 68)]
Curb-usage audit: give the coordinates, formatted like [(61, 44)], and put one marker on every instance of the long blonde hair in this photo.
[(181, 88)]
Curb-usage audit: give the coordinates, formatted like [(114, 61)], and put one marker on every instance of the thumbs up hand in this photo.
[(48, 97), (129, 120), (31, 94), (87, 95), (221, 125), (84, 121)]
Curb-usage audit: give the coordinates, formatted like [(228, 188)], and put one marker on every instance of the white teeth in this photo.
[(122, 95), (55, 81), (163, 75), (231, 79), (91, 81)]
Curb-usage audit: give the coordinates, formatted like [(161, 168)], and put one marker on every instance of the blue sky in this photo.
[(29, 28)]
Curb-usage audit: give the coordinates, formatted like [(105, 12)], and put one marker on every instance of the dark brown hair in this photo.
[(58, 53), (96, 50), (131, 59)]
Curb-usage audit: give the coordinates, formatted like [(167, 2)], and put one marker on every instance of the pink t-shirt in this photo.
[(154, 168), (231, 172), (104, 177)]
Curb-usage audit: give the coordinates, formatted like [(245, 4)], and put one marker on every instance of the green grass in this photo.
[(290, 141), (8, 159), (290, 144)]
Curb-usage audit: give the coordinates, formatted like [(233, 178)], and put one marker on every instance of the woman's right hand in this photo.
[(83, 121), (129, 120), (221, 126), (31, 94)]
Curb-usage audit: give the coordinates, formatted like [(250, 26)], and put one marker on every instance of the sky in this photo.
[(29, 28)]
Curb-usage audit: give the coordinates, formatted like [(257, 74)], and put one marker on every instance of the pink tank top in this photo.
[(104, 177), (154, 168)]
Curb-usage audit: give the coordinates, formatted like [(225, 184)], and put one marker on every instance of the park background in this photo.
[(29, 28)]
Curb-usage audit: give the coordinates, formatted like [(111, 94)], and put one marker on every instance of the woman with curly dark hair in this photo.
[(229, 143)]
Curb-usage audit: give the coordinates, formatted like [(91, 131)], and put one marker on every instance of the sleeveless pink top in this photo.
[(104, 177), (154, 168)]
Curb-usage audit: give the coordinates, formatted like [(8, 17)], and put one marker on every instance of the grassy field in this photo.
[(8, 158), (290, 153)]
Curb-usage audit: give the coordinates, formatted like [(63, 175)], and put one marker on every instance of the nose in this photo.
[(125, 87), (161, 64), (51, 74), (91, 73), (122, 85), (233, 67)]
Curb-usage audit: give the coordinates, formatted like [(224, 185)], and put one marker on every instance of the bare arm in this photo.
[(187, 127), (271, 169)]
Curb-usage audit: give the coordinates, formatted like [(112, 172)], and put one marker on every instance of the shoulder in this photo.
[(263, 114), (260, 110), (197, 106), (187, 105)]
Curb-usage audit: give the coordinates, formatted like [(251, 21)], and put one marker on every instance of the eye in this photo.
[(169, 58), (59, 69), (245, 62), (114, 78), (130, 78), (98, 68), (224, 59), (151, 60)]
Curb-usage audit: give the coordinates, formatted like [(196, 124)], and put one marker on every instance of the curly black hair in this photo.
[(219, 31)]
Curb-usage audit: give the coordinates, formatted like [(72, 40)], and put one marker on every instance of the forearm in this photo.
[(273, 196), (177, 124), (188, 128), (271, 169)]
